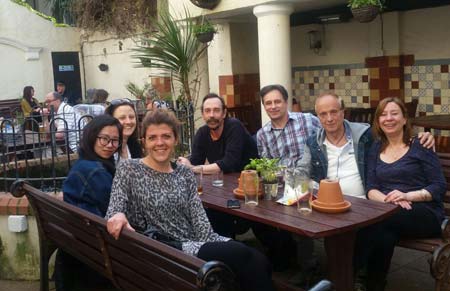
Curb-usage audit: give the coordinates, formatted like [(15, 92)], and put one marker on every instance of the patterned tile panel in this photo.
[(350, 83)]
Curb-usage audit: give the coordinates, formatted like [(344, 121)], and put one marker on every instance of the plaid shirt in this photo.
[(289, 142)]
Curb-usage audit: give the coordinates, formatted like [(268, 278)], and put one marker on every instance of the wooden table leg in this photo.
[(339, 249)]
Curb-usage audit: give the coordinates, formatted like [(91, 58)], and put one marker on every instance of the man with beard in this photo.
[(227, 146), (223, 141)]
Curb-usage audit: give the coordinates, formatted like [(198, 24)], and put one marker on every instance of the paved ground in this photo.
[(409, 271)]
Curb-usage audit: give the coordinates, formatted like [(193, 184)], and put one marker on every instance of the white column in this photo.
[(219, 56), (274, 47)]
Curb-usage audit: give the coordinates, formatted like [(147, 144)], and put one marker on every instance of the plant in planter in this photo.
[(204, 31), (365, 10), (267, 169)]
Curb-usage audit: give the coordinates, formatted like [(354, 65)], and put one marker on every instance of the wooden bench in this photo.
[(439, 247), (9, 107), (247, 115), (133, 262)]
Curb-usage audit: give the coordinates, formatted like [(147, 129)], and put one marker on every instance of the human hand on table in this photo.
[(398, 198)]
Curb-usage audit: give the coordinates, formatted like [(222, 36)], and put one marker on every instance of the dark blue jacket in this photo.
[(362, 140), (88, 186)]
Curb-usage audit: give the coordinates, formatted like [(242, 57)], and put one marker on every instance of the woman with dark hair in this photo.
[(30, 108), (154, 193), (123, 110), (88, 186), (401, 171)]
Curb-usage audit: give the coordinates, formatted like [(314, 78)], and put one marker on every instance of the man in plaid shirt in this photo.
[(285, 135)]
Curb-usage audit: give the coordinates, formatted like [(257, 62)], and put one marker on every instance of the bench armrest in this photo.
[(445, 228)]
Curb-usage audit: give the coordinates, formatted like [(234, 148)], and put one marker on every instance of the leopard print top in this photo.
[(167, 201)]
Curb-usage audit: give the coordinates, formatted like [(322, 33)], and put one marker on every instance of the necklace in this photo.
[(338, 141)]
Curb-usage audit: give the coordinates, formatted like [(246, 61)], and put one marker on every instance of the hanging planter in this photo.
[(365, 10), (205, 37), (206, 4), (204, 31)]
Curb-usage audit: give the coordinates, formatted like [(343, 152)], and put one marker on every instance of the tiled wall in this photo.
[(161, 85), (363, 85), (242, 89), (351, 82), (430, 84)]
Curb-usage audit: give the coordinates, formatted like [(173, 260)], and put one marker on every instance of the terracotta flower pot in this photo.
[(239, 191), (330, 193)]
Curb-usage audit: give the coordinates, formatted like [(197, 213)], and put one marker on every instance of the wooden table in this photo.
[(338, 230), (432, 121)]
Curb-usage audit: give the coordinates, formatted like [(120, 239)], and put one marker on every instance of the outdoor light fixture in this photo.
[(315, 40), (336, 18), (103, 67)]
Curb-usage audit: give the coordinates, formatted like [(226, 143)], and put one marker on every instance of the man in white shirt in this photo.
[(65, 120), (340, 148)]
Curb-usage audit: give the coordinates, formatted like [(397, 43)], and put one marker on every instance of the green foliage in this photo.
[(265, 167), (361, 3), (204, 28), (52, 19), (138, 92), (174, 50)]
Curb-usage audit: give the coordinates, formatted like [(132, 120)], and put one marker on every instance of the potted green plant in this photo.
[(204, 31), (267, 169), (365, 10)]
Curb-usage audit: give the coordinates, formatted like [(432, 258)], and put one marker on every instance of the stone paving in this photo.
[(409, 271)]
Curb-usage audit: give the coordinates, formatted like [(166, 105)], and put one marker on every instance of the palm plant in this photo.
[(174, 50)]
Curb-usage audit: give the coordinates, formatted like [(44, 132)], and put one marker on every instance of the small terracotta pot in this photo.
[(330, 193), (240, 188)]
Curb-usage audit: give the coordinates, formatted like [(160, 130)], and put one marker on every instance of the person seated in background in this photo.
[(227, 146), (65, 120), (88, 186), (31, 109), (153, 193), (100, 96), (123, 110), (400, 171)]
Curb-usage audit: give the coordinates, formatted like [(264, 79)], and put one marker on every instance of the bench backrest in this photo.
[(445, 163), (133, 262), (365, 115)]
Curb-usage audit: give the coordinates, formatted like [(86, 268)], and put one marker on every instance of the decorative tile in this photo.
[(415, 69)]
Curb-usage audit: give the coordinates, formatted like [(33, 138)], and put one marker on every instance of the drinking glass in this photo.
[(217, 180), (250, 184), (198, 171), (304, 195)]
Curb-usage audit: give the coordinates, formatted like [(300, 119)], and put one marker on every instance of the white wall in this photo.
[(21, 29), (423, 33), (244, 48), (121, 66)]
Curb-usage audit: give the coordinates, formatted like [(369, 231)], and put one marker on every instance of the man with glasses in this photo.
[(65, 120)]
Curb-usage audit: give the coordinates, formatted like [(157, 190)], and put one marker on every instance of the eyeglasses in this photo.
[(104, 141), (116, 102)]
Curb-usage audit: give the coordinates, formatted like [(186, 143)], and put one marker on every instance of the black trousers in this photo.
[(251, 267), (72, 275), (375, 244)]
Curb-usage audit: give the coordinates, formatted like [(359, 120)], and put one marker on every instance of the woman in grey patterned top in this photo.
[(153, 192)]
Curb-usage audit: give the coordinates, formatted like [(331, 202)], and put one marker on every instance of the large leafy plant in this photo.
[(174, 50), (266, 168)]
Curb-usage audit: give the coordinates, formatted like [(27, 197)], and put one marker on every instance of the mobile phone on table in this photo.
[(233, 204)]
